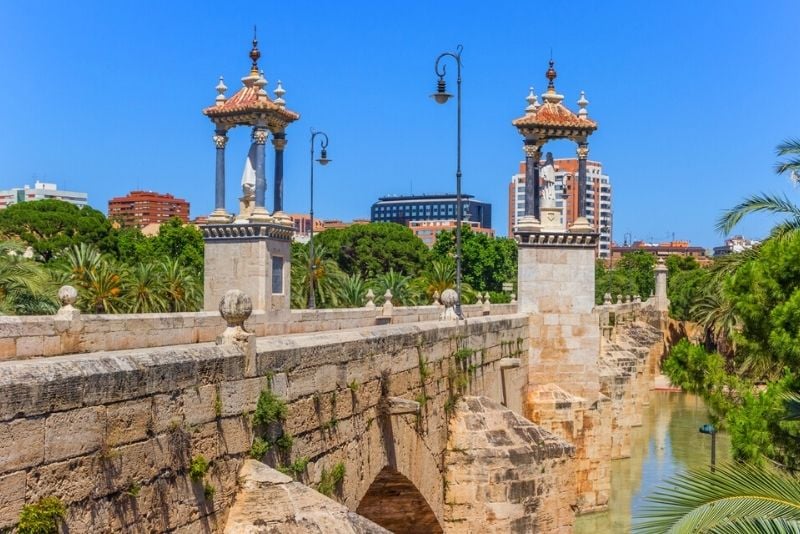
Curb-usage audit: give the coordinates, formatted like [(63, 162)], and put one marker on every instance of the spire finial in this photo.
[(551, 75), (533, 101), (279, 92), (254, 53), (582, 103), (221, 88)]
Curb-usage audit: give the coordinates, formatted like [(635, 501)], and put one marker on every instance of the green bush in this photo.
[(198, 468), (42, 517), (269, 409)]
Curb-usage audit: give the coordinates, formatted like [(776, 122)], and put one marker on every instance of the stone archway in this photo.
[(393, 502)]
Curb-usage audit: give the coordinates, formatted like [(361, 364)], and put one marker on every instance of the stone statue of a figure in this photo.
[(248, 198), (548, 175)]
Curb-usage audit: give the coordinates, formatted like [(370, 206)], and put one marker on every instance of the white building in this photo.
[(598, 198), (40, 191)]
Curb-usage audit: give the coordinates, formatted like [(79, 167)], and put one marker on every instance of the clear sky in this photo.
[(691, 98)]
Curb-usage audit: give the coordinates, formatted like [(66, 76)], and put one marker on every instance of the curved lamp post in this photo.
[(442, 96), (323, 160)]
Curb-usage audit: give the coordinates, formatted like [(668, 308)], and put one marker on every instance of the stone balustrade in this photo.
[(71, 332)]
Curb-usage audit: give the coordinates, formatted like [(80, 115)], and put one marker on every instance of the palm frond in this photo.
[(792, 403), (703, 501), (760, 526), (758, 203), (790, 147)]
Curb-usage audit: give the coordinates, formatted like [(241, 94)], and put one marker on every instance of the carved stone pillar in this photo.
[(279, 142), (530, 220), (260, 213), (219, 215), (581, 224)]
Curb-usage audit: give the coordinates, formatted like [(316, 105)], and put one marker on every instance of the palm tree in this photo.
[(733, 498), (439, 276), (145, 290), (181, 286), (25, 288), (326, 274), (81, 260), (400, 286), (777, 204), (351, 291), (102, 288)]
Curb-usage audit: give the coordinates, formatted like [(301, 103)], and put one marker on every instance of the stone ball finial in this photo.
[(607, 298), (67, 295), (370, 299), (449, 298), (619, 299), (436, 297), (235, 307)]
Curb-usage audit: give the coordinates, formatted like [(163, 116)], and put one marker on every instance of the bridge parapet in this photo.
[(23, 337)]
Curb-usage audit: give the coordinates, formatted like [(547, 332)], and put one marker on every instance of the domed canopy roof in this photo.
[(552, 119), (251, 105)]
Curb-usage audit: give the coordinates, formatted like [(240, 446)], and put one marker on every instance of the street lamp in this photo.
[(710, 430), (442, 96), (323, 160)]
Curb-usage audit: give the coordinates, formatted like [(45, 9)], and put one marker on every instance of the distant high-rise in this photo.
[(598, 198), (404, 209), (41, 191), (140, 208)]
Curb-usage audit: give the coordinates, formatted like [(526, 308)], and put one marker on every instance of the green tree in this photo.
[(51, 226), (486, 263), (403, 293), (375, 248), (145, 289), (180, 241), (181, 286), (325, 272)]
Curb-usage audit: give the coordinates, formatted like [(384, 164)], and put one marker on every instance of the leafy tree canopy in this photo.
[(375, 249), (51, 226), (487, 262)]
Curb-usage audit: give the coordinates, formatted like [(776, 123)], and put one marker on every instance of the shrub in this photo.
[(41, 517)]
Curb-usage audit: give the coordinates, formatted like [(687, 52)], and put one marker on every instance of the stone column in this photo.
[(529, 222), (583, 153), (662, 302), (219, 215), (581, 224), (533, 155), (260, 213), (279, 142)]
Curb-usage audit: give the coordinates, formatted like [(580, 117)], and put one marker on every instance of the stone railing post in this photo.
[(436, 298), (236, 307), (370, 305), (662, 302), (68, 321), (486, 305), (388, 307), (513, 298), (449, 299)]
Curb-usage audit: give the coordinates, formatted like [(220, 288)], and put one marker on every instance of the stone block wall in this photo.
[(505, 474), (113, 434)]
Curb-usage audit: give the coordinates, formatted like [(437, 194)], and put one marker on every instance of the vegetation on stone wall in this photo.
[(42, 517)]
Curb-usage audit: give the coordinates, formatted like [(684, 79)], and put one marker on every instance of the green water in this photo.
[(667, 443)]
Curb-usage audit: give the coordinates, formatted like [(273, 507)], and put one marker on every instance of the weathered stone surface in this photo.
[(21, 444), (128, 421), (74, 433), (293, 508), (12, 498)]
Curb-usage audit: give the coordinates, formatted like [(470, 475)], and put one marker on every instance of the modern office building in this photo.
[(140, 208), (661, 250), (405, 209), (41, 191), (598, 198)]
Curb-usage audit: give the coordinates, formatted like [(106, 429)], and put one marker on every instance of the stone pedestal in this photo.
[(551, 220), (556, 287), (254, 258)]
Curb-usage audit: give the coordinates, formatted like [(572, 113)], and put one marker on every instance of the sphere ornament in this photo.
[(449, 298), (235, 307), (67, 295)]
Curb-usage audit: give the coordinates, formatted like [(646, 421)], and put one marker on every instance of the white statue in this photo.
[(548, 175), (248, 198)]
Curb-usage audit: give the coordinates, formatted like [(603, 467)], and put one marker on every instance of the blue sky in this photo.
[(691, 98)]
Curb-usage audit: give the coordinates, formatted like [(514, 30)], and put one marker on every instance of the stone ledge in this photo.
[(556, 239), (246, 231)]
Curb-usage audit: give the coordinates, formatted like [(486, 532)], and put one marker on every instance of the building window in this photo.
[(277, 275)]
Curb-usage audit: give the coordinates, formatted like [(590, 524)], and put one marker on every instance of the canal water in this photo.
[(667, 443)]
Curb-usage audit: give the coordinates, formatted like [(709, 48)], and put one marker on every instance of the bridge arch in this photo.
[(395, 503)]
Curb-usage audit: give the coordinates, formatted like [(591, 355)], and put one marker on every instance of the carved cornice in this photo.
[(556, 239), (247, 231)]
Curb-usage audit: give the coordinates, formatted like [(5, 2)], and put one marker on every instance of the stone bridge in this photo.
[(365, 419)]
